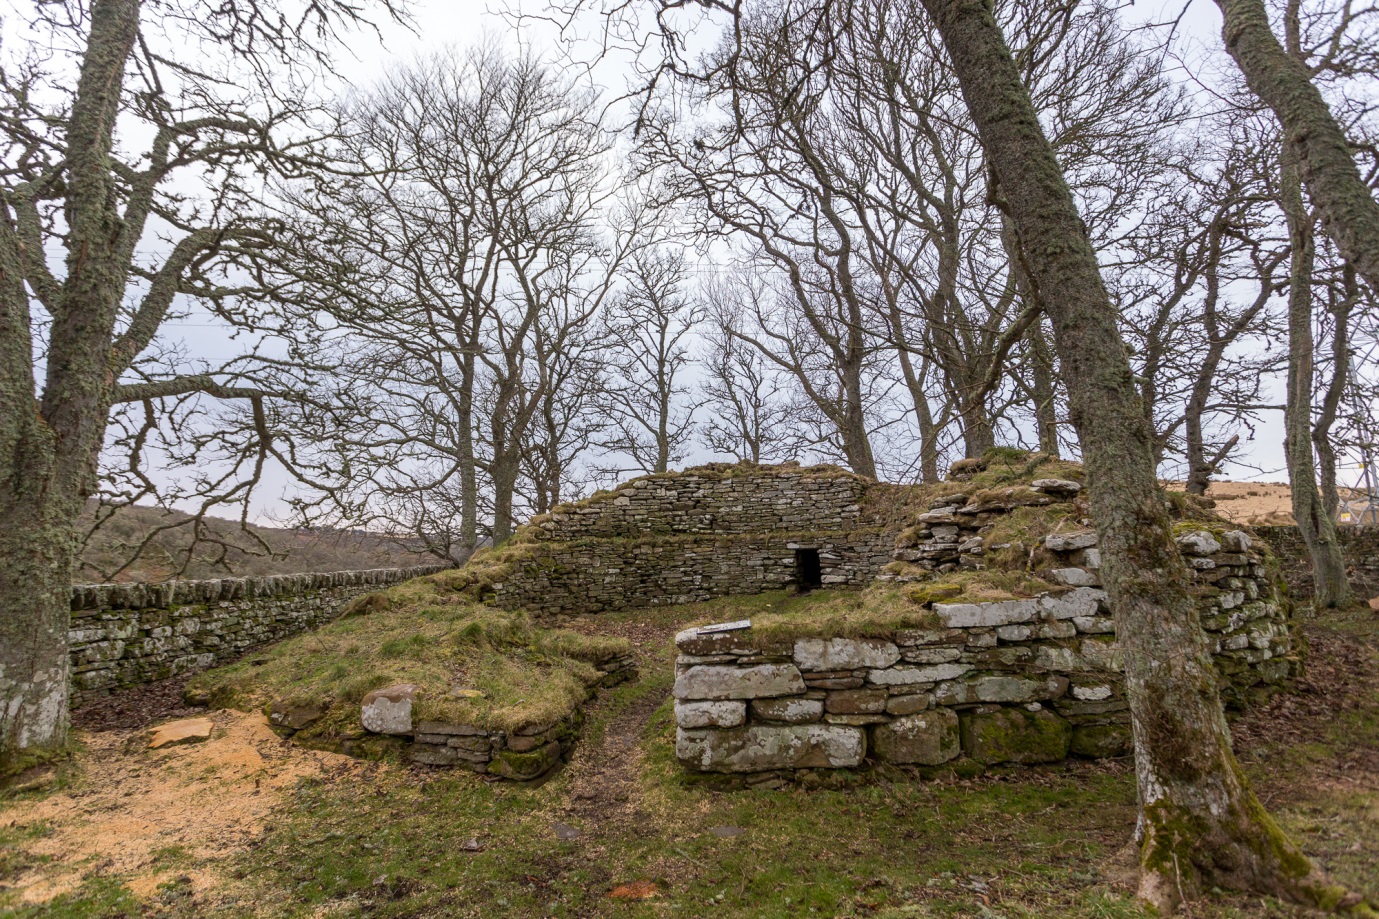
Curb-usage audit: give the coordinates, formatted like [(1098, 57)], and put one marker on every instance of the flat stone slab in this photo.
[(791, 711), (761, 748), (190, 730), (1076, 603), (822, 654), (1056, 486), (1002, 688), (693, 641), (1069, 542), (986, 615), (905, 676), (759, 681)]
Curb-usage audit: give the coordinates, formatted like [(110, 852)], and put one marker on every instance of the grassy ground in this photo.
[(422, 632), (1034, 843)]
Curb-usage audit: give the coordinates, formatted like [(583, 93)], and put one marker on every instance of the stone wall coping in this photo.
[(88, 598)]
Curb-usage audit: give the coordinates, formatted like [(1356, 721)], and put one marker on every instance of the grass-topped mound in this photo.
[(474, 664)]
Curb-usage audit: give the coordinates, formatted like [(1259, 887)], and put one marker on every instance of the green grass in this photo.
[(1022, 844), (429, 633)]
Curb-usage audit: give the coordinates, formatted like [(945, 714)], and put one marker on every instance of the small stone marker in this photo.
[(191, 730), (389, 710), (1374, 604), (565, 832), (727, 832)]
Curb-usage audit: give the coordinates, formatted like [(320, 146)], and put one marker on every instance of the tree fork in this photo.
[(1348, 209), (1202, 825)]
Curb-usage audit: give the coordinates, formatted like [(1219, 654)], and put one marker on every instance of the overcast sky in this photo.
[(439, 23), (461, 22)]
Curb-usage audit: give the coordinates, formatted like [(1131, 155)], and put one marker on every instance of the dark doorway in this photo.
[(808, 574)]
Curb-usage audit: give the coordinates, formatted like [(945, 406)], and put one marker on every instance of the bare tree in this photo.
[(747, 410), (134, 241), (648, 326), (1200, 822), (1322, 154), (469, 265)]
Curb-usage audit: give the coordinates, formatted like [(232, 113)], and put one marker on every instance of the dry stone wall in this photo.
[(1015, 681), (598, 575), (716, 500), (1359, 546), (125, 634), (521, 755), (710, 532)]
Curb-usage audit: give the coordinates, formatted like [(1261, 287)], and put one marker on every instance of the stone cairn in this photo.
[(1012, 681), (521, 755)]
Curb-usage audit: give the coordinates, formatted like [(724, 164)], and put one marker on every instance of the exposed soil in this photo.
[(604, 796), (135, 811), (139, 707), (1339, 678)]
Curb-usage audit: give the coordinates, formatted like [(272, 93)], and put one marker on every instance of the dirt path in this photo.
[(604, 795)]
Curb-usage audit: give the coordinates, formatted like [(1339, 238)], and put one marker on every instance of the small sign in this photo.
[(725, 627)]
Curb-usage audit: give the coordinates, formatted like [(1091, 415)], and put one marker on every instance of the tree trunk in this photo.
[(1045, 395), (1348, 210), (504, 474), (469, 470), (49, 446), (1335, 392), (37, 545), (978, 436), (1318, 529), (1201, 824)]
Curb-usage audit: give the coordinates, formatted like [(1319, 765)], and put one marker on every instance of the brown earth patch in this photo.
[(132, 810)]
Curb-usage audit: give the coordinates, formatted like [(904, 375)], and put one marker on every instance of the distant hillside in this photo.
[(1257, 503), (227, 551)]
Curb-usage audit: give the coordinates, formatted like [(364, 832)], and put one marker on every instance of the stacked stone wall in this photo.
[(521, 755), (1359, 545), (716, 500), (711, 532), (1015, 681), (125, 634), (603, 575)]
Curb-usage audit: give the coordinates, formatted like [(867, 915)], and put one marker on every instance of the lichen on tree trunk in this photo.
[(1202, 826)]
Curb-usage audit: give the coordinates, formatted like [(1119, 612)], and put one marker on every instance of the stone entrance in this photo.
[(809, 572)]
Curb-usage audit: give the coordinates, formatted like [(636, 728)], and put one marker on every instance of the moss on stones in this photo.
[(1015, 735)]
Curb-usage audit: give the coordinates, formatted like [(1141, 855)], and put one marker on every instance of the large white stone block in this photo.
[(389, 710), (759, 681), (986, 615), (905, 676), (821, 654), (723, 714), (761, 748)]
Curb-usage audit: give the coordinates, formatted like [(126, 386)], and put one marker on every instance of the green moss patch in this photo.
[(431, 632)]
